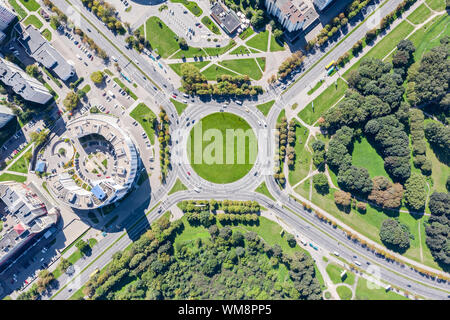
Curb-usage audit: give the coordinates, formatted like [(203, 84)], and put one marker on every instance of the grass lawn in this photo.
[(247, 33), (262, 188), (317, 86), (437, 5), (439, 170), (364, 293), (178, 105), (265, 107), (178, 186), (420, 14), (177, 66), (335, 271), (323, 102), (21, 165), (364, 155), (302, 156), (19, 10), (213, 71), (217, 51), (12, 177), (240, 50), (47, 34), (386, 45), (161, 38), (344, 292), (34, 20), (190, 52), (210, 25), (243, 66), (262, 63), (191, 6), (275, 45), (369, 224), (430, 34), (145, 116), (218, 161), (31, 5), (260, 41)]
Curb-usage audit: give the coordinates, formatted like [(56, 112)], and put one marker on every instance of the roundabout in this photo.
[(214, 164), (222, 148)]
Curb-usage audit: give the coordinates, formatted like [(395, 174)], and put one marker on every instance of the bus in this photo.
[(330, 71), (330, 64), (94, 273)]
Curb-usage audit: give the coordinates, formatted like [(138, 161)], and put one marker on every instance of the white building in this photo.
[(29, 88), (293, 15)]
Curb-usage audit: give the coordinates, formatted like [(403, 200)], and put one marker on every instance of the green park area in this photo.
[(211, 25), (364, 155), (217, 51), (34, 20), (213, 71), (197, 240), (420, 14), (189, 52), (334, 272), (12, 177), (243, 66), (329, 97), (146, 118), (265, 107), (240, 50), (275, 45), (259, 41), (47, 34), (366, 292), (345, 293), (31, 5), (21, 164), (18, 9), (216, 159), (437, 5), (303, 157), (177, 66), (161, 38), (385, 45)]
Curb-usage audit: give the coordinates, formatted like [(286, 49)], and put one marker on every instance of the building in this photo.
[(29, 88), (293, 15), (26, 215), (321, 5), (6, 21), (226, 18), (43, 52), (93, 182), (5, 115)]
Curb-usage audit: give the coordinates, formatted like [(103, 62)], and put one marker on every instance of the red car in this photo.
[(92, 58), (188, 173), (174, 96), (99, 175)]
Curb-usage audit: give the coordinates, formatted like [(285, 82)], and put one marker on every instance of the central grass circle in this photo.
[(222, 148)]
